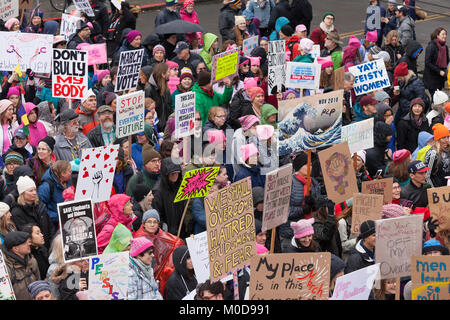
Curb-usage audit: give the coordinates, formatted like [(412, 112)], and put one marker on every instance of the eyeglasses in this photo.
[(198, 119), (209, 297), (221, 116), (151, 222)]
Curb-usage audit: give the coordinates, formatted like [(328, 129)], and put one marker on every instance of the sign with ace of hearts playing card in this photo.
[(96, 174)]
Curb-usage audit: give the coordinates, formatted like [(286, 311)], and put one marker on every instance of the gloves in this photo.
[(30, 74), (432, 225)]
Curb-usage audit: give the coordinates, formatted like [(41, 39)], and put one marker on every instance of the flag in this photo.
[(23, 117)]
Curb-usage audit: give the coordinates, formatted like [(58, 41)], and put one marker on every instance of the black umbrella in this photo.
[(178, 26)]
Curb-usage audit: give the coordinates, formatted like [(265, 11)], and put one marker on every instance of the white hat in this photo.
[(439, 97), (306, 45), (4, 208), (362, 155), (382, 55), (88, 94), (24, 183)]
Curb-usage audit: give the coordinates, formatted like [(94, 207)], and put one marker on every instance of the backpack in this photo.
[(51, 184)]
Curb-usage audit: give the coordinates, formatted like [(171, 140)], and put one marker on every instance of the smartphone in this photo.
[(379, 172)]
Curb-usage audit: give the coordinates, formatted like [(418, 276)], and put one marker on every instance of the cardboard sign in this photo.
[(225, 64), (338, 172), (439, 203), (69, 25), (379, 186), (70, 73), (338, 75), (290, 276), (277, 194), (130, 114), (249, 44), (397, 239), (365, 207), (369, 77), (356, 285), (96, 175), (108, 276), (6, 288), (26, 4), (303, 75), (277, 72), (310, 122), (184, 114), (77, 230), (198, 249), (9, 9), (230, 224), (128, 72), (96, 53), (85, 6), (197, 183), (359, 135), (430, 277), (30, 50)]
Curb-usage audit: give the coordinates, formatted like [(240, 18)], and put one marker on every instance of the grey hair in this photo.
[(348, 76)]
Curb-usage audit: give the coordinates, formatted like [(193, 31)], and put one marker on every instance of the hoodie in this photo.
[(208, 39), (375, 157), (120, 239), (381, 110), (412, 48), (37, 129), (179, 283), (268, 110), (280, 22), (422, 140)]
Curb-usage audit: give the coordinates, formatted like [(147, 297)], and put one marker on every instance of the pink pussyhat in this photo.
[(172, 64), (354, 42), (250, 83), (248, 150), (139, 245), (248, 121), (264, 131), (255, 61), (216, 136), (325, 61), (303, 228), (372, 36), (260, 249)]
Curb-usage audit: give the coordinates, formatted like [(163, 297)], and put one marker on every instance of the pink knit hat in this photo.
[(10, 23), (400, 155), (354, 42), (255, 61), (4, 104), (260, 249), (139, 245), (101, 74), (172, 64), (248, 150), (392, 211), (325, 61), (300, 28), (13, 91), (372, 36), (248, 121), (264, 131), (216, 136), (132, 35), (254, 91), (302, 228), (250, 83)]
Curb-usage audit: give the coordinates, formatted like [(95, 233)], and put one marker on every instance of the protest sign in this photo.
[(69, 25), (77, 229), (369, 77), (108, 276), (198, 250), (277, 194), (130, 114), (8, 9), (230, 224), (249, 44), (26, 4), (315, 51), (338, 172), (29, 50), (290, 276), (277, 72), (359, 135), (184, 114), (379, 186), (338, 76), (128, 71), (196, 183), (439, 203), (356, 285), (309, 122), (365, 207), (96, 175), (225, 64), (117, 4), (85, 6), (303, 75), (430, 277), (96, 52), (6, 288), (397, 239), (70, 73)]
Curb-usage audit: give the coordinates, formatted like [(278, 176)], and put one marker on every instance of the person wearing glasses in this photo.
[(319, 34), (210, 291)]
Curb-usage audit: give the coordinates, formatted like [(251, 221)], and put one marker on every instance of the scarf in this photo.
[(324, 27), (146, 269), (208, 92), (441, 60)]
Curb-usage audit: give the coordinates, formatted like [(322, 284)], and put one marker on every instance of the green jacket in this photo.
[(208, 40), (204, 102), (147, 178), (305, 58), (336, 56), (268, 110)]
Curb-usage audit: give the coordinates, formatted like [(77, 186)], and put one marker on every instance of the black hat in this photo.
[(15, 238), (367, 228), (204, 77), (417, 166), (337, 265), (299, 160), (258, 226), (67, 115), (287, 30), (258, 195), (140, 191), (49, 141)]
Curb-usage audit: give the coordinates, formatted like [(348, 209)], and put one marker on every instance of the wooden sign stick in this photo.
[(182, 218), (272, 240), (354, 161), (308, 177), (397, 288)]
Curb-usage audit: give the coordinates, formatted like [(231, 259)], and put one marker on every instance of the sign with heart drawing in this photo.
[(96, 174)]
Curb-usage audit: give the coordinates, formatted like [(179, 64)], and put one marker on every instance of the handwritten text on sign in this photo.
[(130, 114), (430, 277), (365, 207), (70, 74), (225, 64), (356, 285), (184, 114), (370, 76), (439, 202), (359, 135), (379, 186)]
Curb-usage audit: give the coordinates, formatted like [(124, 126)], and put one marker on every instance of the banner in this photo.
[(290, 276), (128, 72), (369, 77), (310, 122), (359, 135), (277, 73), (29, 50), (225, 64), (96, 175), (85, 6), (77, 229), (230, 224), (277, 194), (184, 114), (69, 25), (70, 73), (430, 277), (198, 250), (9, 9), (249, 44), (439, 203), (108, 276), (96, 53), (6, 288), (397, 239), (196, 183), (379, 186), (356, 285), (130, 114), (303, 75), (365, 207)]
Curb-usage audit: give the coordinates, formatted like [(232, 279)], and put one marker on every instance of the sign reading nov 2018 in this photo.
[(130, 114), (70, 73)]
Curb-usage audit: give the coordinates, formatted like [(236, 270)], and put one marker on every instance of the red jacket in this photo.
[(294, 41), (318, 36), (88, 121)]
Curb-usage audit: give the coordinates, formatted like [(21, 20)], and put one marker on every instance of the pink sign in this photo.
[(96, 52)]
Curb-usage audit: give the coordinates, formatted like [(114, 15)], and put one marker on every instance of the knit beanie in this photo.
[(401, 70), (362, 155), (13, 157), (299, 160), (140, 191), (439, 97), (132, 35), (417, 101), (250, 83), (101, 74), (172, 64), (109, 97), (434, 245), (248, 150), (303, 228), (186, 73), (49, 141), (239, 19), (152, 213), (374, 50), (307, 45), (257, 195), (254, 91), (447, 107), (15, 238), (264, 131), (337, 265), (328, 13), (75, 165), (24, 183), (149, 153), (36, 287), (4, 104), (372, 36), (159, 47), (4, 209), (10, 22), (325, 61), (440, 131), (187, 2), (13, 91), (400, 156), (354, 42), (367, 228), (392, 210), (261, 249), (248, 121), (287, 30), (139, 245), (204, 77), (216, 136)]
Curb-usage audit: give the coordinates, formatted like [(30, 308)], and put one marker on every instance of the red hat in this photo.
[(401, 70), (401, 155), (368, 100), (254, 91), (447, 107)]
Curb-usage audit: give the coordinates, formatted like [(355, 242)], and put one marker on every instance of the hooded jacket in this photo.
[(358, 258), (120, 239), (88, 119), (279, 23), (413, 88), (268, 110), (226, 21), (423, 138), (204, 102), (360, 115), (408, 131), (208, 40), (191, 17), (412, 47), (37, 129), (163, 103), (179, 283), (405, 29), (375, 157)]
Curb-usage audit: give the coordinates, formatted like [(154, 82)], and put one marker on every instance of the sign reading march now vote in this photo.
[(369, 77)]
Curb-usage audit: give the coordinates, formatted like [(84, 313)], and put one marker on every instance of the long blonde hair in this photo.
[(389, 37), (56, 249), (5, 226)]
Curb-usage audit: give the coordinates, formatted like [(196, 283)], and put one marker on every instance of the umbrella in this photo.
[(178, 26)]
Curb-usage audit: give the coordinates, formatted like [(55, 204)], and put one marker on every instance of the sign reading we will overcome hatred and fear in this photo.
[(70, 73), (225, 64), (9, 9), (303, 75), (196, 183), (230, 224), (277, 72), (356, 285), (128, 71), (369, 77), (359, 135), (430, 277), (6, 288), (439, 202), (130, 114), (365, 207), (379, 186), (290, 276), (184, 114)]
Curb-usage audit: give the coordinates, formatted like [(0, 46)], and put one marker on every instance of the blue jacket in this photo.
[(51, 200), (198, 214), (254, 173), (422, 140), (262, 14), (136, 154), (360, 116)]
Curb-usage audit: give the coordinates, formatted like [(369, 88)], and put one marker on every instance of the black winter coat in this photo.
[(119, 22), (431, 77), (358, 259), (163, 103), (375, 157), (179, 283), (95, 136), (418, 196), (327, 235), (281, 9), (138, 212), (237, 105), (393, 51), (301, 13), (408, 132), (414, 88), (41, 256), (226, 21)]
